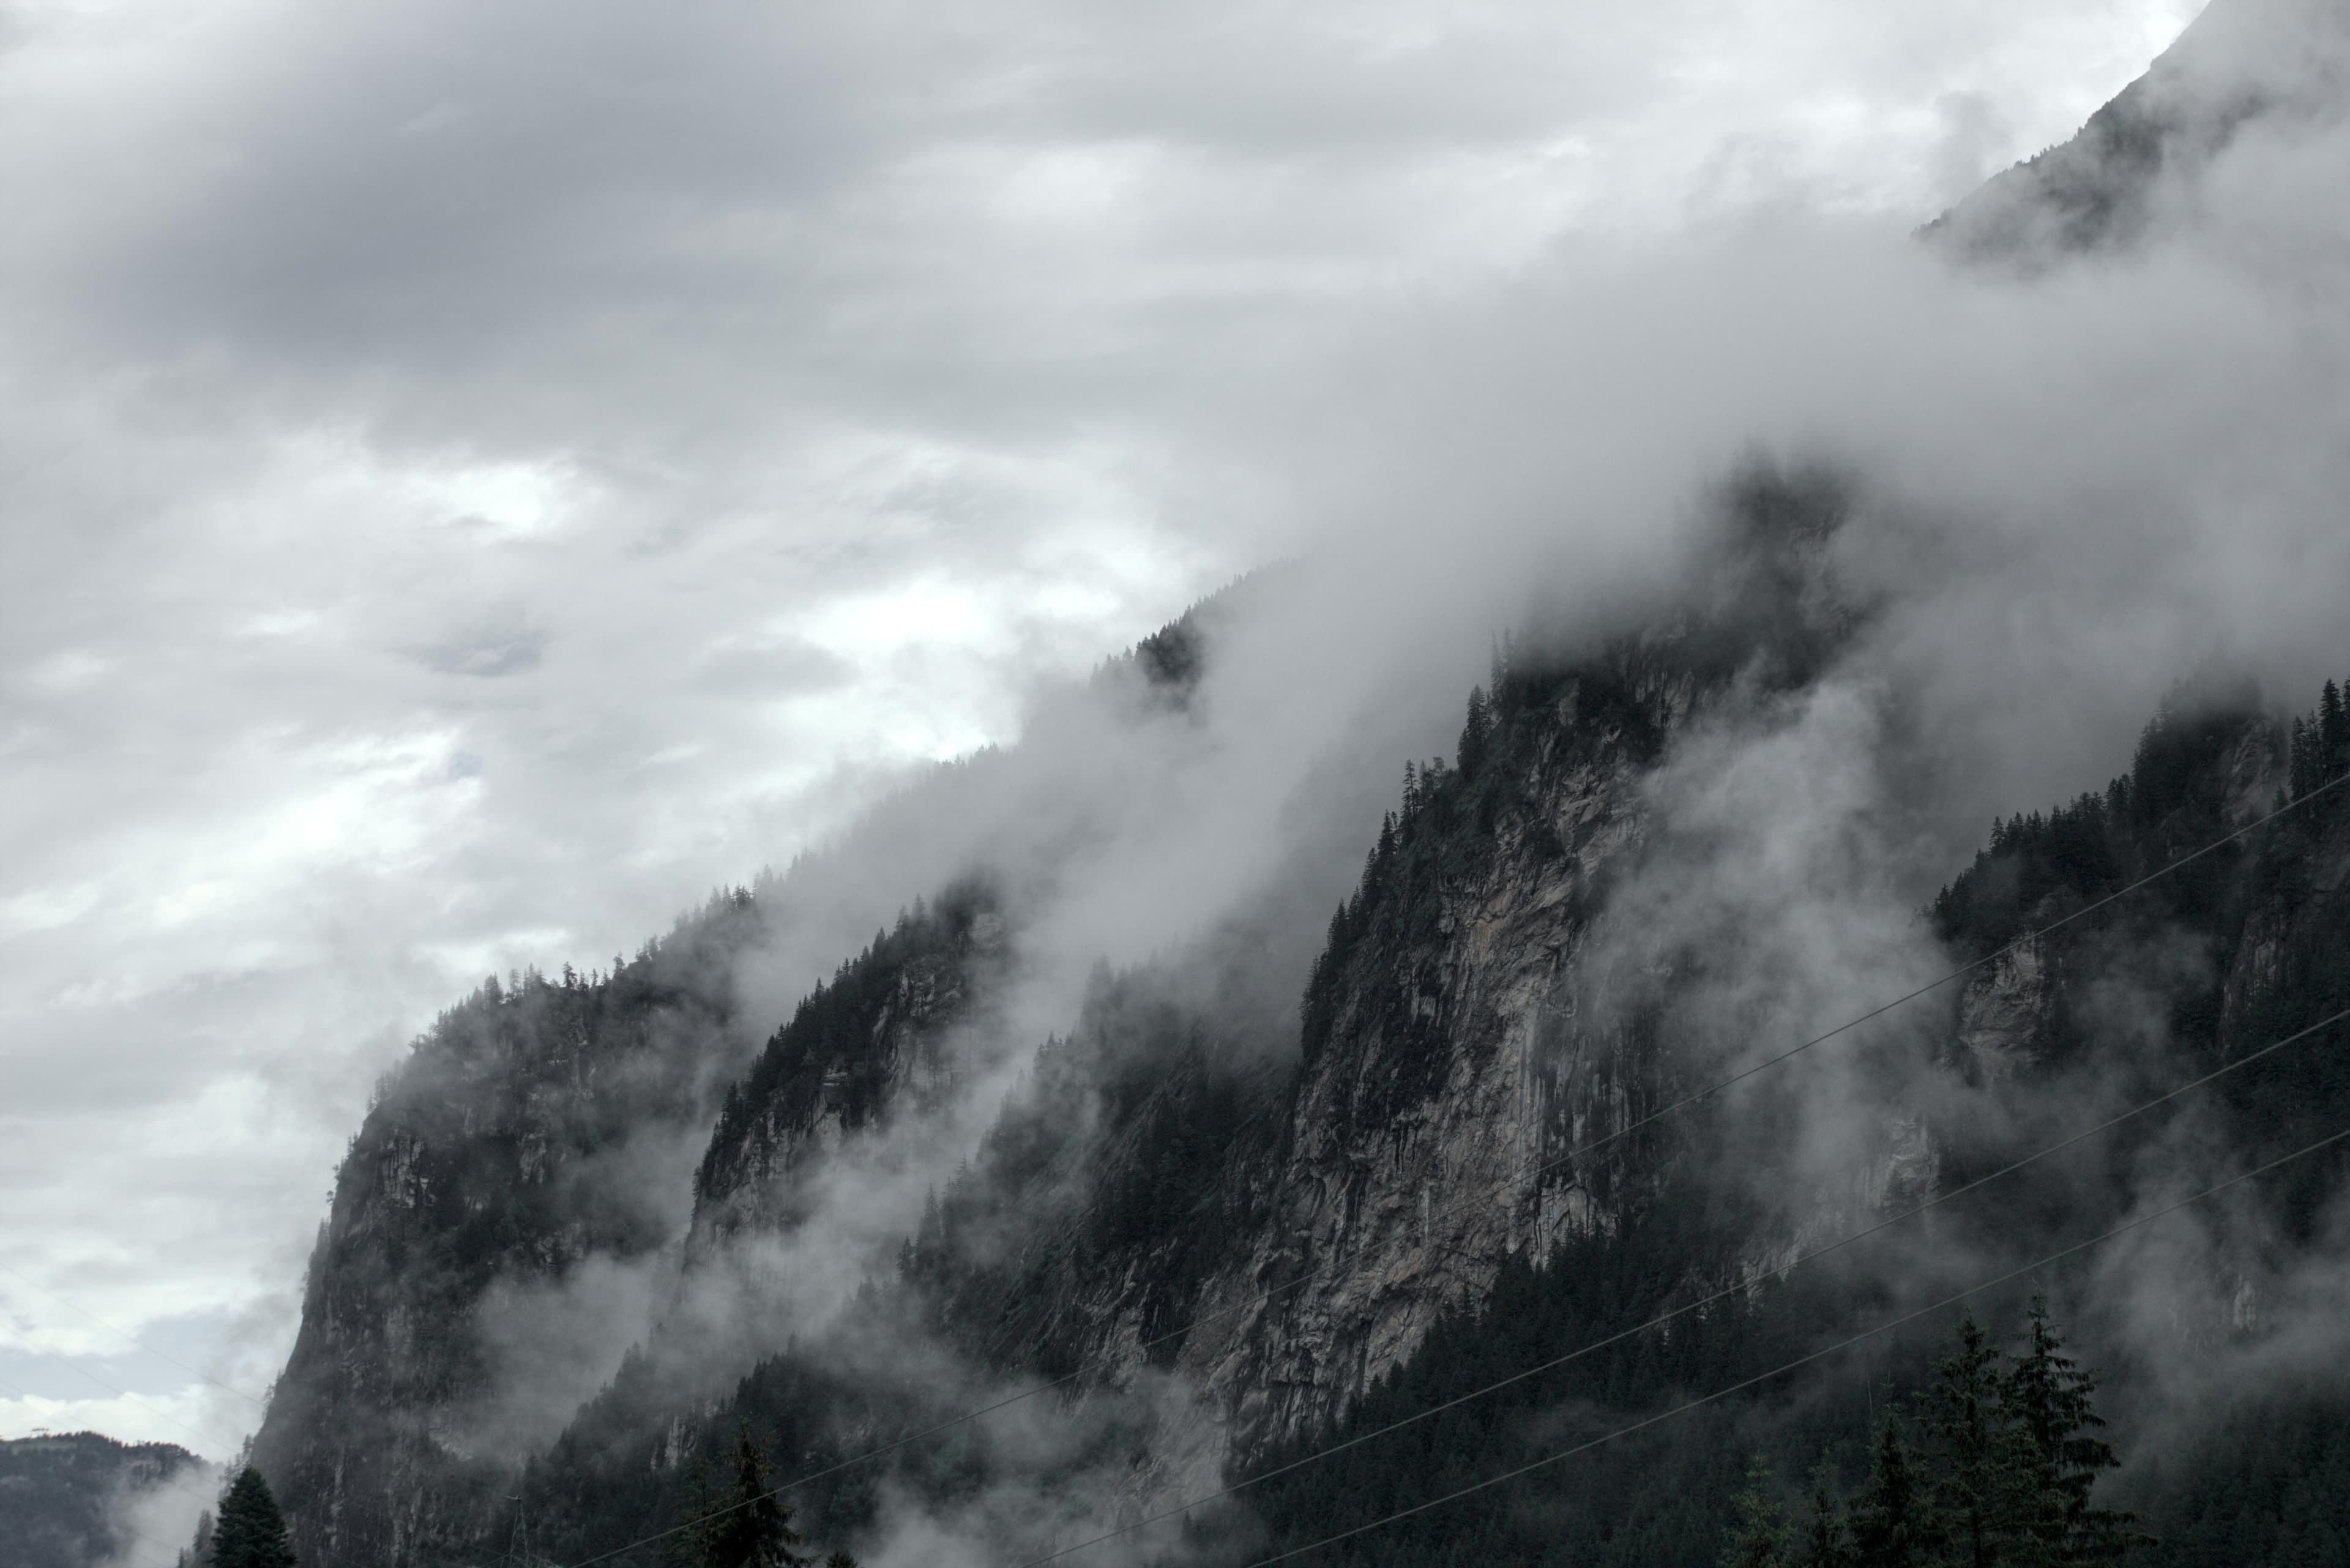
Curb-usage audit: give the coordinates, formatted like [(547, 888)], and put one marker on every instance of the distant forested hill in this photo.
[(58, 1496)]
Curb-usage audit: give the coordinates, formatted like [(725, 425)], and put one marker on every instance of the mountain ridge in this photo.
[(64, 1497), (2240, 63), (1227, 1203)]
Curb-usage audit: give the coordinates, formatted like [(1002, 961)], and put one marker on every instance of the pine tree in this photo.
[(1966, 1420), (752, 1528), (1759, 1539), (2005, 1478), (1474, 730), (251, 1532), (200, 1555), (1825, 1542), (2055, 1455), (1891, 1522)]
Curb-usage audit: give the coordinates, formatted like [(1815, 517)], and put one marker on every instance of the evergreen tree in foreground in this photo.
[(2056, 1455), (251, 1532), (2009, 1455), (1973, 1487), (751, 1528), (1759, 1540), (1892, 1521), (1825, 1542), (200, 1553)]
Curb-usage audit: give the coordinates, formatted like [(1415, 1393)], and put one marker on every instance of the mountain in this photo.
[(2241, 68), (537, 1129), (1667, 991), (64, 1499), (1244, 1233)]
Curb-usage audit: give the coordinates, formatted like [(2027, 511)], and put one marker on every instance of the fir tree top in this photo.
[(251, 1532), (753, 1529)]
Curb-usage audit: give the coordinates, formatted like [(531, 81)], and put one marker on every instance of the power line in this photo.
[(1278, 1292), (1801, 1361), (1699, 1305)]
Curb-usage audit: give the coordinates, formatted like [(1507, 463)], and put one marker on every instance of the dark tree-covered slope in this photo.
[(543, 1127), (879, 1029), (2240, 62), (537, 1124), (2254, 943), (1109, 1185), (60, 1497)]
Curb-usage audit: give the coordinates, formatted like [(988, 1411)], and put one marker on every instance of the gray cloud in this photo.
[(777, 403)]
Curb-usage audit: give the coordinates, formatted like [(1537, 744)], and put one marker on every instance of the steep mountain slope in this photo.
[(1178, 1152), (1459, 1040), (2242, 63), (540, 1179), (536, 1127), (871, 1041), (1152, 1198), (1236, 1234), (2242, 947)]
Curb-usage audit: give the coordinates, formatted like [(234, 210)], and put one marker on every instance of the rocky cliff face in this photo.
[(1445, 1065), (2224, 953), (539, 1125), (1456, 1043), (1474, 1054)]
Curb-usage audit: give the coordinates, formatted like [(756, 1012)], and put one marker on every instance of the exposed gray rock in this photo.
[(2003, 1009)]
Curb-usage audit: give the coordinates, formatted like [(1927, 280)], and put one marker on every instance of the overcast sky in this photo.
[(475, 477)]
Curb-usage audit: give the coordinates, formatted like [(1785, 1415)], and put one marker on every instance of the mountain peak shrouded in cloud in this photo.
[(2240, 67)]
